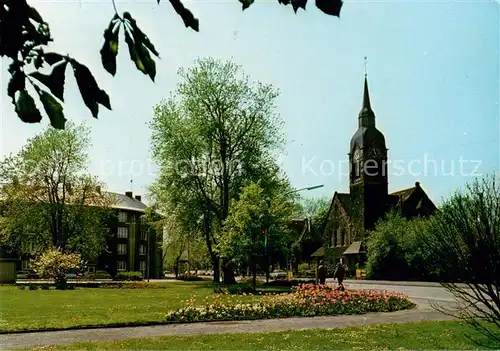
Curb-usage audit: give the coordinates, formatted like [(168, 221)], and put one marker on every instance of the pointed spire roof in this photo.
[(366, 115), (366, 96)]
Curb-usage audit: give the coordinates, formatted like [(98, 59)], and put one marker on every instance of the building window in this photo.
[(25, 264), (144, 235), (142, 249), (142, 267), (122, 249), (122, 232), (121, 265), (122, 217)]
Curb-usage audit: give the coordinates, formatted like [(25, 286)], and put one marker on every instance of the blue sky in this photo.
[(432, 69)]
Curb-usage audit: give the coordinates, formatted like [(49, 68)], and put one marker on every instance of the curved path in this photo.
[(420, 295)]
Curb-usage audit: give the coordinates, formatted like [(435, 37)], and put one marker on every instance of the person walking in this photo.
[(322, 273), (340, 274)]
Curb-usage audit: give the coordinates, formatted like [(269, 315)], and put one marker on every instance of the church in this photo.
[(352, 215)]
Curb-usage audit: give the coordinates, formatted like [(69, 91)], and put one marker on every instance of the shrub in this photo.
[(45, 286), (289, 282), (134, 276), (307, 300), (249, 281), (189, 277), (134, 285), (234, 289), (21, 287), (33, 287), (55, 264)]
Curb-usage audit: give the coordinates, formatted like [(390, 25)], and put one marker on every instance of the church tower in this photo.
[(368, 168)]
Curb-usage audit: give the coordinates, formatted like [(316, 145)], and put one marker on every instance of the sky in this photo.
[(432, 70)]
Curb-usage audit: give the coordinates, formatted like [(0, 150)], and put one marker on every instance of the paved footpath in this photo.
[(30, 340)]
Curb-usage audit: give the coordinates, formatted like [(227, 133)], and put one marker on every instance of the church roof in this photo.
[(345, 200), (404, 193), (355, 248)]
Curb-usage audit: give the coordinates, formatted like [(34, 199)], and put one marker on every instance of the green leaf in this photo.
[(26, 109), (186, 15), (134, 55), (33, 14), (330, 7), (109, 50), (16, 83), (148, 62), (139, 34), (53, 109), (103, 99), (52, 58), (297, 4), (91, 93), (54, 81), (246, 3)]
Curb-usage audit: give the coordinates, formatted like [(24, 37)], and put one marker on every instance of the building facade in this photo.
[(352, 215), (131, 243)]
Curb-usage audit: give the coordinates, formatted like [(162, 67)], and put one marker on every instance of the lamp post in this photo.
[(266, 229)]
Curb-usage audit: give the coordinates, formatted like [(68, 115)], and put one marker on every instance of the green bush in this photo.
[(189, 277), (133, 285), (289, 283), (395, 250), (45, 286), (133, 276), (234, 289), (249, 281)]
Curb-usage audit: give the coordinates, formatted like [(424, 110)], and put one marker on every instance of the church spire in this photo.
[(366, 116)]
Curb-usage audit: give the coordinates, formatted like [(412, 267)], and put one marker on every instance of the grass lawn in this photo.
[(42, 309), (413, 336)]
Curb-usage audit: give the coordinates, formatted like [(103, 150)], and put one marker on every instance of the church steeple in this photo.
[(366, 117)]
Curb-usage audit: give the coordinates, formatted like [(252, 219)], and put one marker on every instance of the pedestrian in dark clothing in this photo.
[(340, 274), (322, 273)]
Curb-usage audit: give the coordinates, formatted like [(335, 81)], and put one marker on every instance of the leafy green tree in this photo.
[(243, 238), (316, 209), (55, 264), (215, 132), (464, 242), (24, 36), (49, 199), (395, 249)]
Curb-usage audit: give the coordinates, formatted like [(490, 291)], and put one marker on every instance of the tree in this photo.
[(464, 242), (250, 217), (55, 264), (316, 210), (24, 36), (395, 250), (215, 132), (48, 198)]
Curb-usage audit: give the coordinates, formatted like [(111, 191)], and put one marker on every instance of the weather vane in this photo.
[(366, 63)]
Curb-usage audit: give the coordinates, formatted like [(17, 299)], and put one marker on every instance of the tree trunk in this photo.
[(228, 273), (215, 264)]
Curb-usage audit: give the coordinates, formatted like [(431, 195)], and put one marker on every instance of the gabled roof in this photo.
[(355, 248), (123, 202)]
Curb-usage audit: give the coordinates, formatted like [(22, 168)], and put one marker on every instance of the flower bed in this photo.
[(306, 300)]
